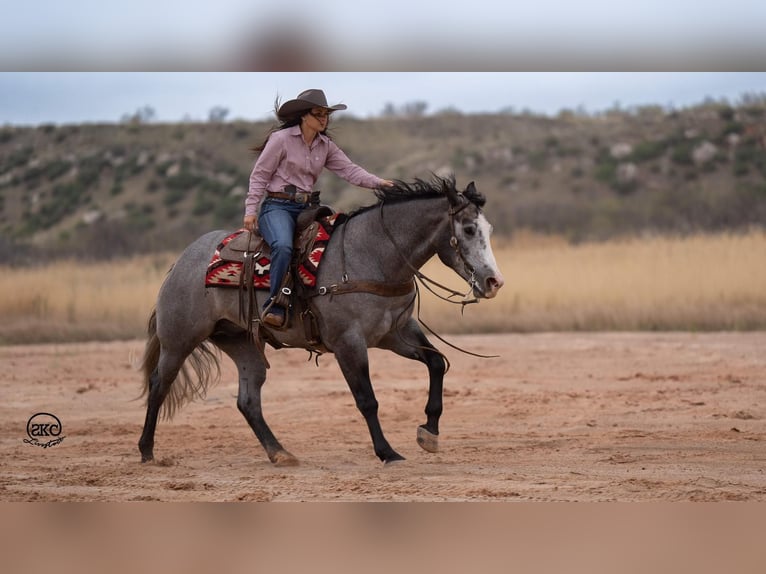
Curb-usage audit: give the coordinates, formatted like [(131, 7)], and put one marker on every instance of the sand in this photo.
[(557, 417)]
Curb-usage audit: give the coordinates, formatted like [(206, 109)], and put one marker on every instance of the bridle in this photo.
[(425, 280), (397, 290), (455, 244)]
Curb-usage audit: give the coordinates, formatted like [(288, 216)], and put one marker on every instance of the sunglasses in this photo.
[(321, 115)]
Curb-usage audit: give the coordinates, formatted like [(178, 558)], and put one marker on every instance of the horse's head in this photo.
[(466, 248)]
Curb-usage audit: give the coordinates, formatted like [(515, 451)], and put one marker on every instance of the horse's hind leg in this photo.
[(160, 382), (252, 374), (411, 342)]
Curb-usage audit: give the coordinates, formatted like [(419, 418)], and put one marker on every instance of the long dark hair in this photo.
[(284, 123)]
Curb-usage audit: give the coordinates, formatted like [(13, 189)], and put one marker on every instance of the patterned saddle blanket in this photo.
[(226, 273)]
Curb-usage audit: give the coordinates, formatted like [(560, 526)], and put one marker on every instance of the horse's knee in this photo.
[(436, 362), (368, 406)]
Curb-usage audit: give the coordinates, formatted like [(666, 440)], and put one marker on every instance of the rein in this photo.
[(425, 280), (400, 289)]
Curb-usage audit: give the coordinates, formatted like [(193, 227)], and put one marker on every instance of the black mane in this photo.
[(421, 189)]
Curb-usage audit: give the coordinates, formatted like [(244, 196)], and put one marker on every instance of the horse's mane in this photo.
[(421, 189)]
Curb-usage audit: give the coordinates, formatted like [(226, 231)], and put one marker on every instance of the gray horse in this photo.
[(355, 308)]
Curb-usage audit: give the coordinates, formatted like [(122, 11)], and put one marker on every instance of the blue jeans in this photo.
[(277, 225)]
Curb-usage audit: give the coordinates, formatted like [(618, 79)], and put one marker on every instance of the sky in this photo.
[(34, 98), (95, 61), (94, 33)]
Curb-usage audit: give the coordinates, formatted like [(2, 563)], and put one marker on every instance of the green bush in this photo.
[(202, 205), (89, 171), (185, 180), (173, 196), (682, 152), (648, 150), (606, 171), (749, 155), (726, 113), (17, 157), (57, 168)]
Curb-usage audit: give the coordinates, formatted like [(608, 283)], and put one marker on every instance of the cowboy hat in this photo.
[(305, 101)]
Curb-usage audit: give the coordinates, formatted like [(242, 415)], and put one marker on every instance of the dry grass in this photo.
[(710, 282), (78, 301), (707, 282)]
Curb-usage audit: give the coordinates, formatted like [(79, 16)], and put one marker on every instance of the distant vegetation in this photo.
[(101, 191), (706, 282)]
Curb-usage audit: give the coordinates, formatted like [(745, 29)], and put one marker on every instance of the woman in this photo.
[(283, 178)]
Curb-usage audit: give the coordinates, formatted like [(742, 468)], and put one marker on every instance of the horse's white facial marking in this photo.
[(479, 254)]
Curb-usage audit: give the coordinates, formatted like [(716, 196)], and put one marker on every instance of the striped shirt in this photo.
[(288, 160)]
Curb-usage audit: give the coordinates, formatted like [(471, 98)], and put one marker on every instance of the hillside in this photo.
[(107, 190)]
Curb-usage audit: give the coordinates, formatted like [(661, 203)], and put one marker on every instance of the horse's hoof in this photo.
[(284, 458), (427, 440), (394, 460)]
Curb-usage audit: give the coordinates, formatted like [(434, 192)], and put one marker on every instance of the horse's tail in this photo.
[(204, 362)]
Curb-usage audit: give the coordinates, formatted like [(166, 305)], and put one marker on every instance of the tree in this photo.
[(142, 115), (217, 114)]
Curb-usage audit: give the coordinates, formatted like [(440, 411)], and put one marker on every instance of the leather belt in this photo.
[(291, 193)]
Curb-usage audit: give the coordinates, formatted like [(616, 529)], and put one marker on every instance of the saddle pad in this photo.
[(222, 273)]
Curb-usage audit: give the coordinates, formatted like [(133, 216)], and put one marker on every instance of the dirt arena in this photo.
[(557, 417)]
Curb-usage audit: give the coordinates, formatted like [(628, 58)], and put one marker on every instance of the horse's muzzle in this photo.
[(490, 287)]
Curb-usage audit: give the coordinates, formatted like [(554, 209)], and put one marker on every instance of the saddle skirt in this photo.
[(226, 264)]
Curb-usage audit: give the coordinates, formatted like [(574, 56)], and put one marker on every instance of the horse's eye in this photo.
[(469, 230)]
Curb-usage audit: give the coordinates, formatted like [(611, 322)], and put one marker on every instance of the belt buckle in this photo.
[(301, 197)]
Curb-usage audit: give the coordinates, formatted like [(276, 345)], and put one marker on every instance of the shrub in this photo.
[(726, 113), (202, 205), (606, 171), (57, 168), (682, 152), (648, 150), (173, 196)]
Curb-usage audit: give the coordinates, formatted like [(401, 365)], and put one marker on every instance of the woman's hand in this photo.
[(386, 183), (251, 222)]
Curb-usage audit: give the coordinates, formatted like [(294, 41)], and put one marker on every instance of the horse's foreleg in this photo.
[(352, 359), (411, 342), (252, 375)]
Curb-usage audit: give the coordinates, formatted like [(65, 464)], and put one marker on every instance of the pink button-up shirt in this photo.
[(287, 159)]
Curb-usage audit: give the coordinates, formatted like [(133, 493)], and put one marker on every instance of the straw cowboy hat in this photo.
[(305, 101)]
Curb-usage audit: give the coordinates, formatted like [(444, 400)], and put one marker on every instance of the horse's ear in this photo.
[(452, 195), (471, 189)]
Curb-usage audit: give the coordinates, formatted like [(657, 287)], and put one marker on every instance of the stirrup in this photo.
[(273, 318)]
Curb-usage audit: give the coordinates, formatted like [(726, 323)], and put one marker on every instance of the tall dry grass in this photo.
[(706, 282), (76, 301), (709, 282)]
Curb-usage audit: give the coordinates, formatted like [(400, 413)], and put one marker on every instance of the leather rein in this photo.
[(399, 289)]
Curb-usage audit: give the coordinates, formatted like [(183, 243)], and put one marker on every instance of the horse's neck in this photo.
[(404, 235)]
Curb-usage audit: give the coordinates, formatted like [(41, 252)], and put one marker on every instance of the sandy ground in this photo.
[(558, 417)]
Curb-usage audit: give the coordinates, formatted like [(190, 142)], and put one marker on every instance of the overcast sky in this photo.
[(118, 29), (115, 57), (32, 98)]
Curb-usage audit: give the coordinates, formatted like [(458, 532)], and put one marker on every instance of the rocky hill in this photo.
[(108, 190)]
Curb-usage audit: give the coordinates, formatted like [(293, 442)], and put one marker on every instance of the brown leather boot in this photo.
[(274, 315)]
